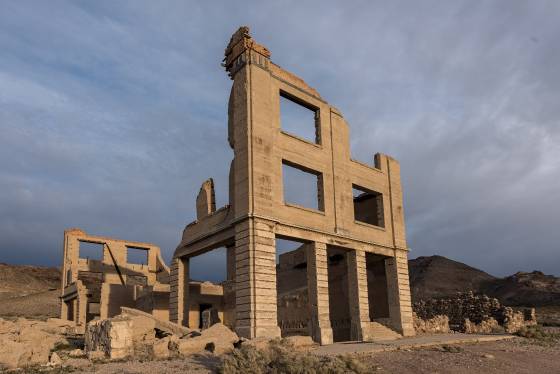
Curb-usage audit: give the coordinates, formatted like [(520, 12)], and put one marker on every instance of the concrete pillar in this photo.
[(179, 291), (318, 293), (398, 290), (230, 260), (358, 295), (255, 275)]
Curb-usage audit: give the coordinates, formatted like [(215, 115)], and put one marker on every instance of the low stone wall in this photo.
[(435, 325), (475, 313)]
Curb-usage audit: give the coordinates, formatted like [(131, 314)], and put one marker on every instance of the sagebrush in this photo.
[(281, 357)]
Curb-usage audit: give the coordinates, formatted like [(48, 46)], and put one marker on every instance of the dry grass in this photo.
[(539, 336), (281, 357)]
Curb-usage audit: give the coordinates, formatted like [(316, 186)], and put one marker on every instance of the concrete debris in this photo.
[(217, 339), (27, 343), (133, 334), (55, 360), (159, 324), (76, 353), (121, 336), (475, 313)]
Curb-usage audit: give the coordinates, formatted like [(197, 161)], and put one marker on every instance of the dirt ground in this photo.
[(508, 356)]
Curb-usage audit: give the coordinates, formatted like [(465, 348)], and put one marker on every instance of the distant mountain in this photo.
[(438, 276), (534, 289)]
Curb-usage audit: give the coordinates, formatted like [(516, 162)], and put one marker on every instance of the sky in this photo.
[(112, 114)]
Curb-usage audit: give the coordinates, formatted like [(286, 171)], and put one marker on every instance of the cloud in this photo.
[(112, 114)]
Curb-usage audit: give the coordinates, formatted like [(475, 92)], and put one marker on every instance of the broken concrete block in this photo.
[(300, 341), (130, 334), (163, 325), (13, 354), (76, 353), (55, 360), (96, 355), (160, 349), (25, 342), (219, 335)]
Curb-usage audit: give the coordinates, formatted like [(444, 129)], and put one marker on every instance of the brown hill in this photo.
[(438, 276), (526, 289), (29, 291)]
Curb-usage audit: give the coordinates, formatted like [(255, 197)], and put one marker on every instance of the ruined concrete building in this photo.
[(100, 275), (348, 279), (345, 279)]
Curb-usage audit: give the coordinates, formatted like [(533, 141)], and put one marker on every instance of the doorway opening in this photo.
[(339, 302), (378, 297), (207, 282), (291, 287)]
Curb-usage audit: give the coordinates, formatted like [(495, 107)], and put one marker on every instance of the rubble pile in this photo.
[(474, 313), (140, 335), (27, 342)]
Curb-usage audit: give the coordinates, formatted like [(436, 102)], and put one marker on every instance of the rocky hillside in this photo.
[(437, 276), (29, 291), (535, 289)]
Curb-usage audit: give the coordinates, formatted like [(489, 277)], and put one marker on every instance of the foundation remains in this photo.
[(348, 280)]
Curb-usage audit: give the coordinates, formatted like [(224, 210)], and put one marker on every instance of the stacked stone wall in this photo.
[(469, 313)]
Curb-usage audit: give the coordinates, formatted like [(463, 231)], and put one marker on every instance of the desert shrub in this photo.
[(498, 330), (280, 357), (62, 346), (43, 369), (538, 335), (452, 348)]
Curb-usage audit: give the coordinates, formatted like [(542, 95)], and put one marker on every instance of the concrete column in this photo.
[(174, 290), (358, 295), (230, 259), (255, 275), (318, 293), (179, 291), (80, 309), (398, 290)]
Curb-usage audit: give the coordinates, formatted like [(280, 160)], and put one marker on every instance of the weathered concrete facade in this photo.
[(98, 288), (345, 227)]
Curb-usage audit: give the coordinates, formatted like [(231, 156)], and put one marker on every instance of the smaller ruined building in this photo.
[(100, 275)]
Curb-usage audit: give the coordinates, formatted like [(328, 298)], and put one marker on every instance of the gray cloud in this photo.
[(112, 114)]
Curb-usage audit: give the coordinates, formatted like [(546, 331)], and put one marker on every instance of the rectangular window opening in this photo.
[(299, 118), (302, 186), (137, 255), (91, 251), (368, 206)]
